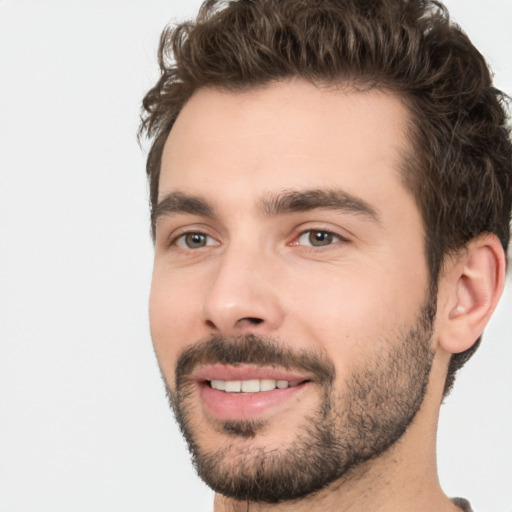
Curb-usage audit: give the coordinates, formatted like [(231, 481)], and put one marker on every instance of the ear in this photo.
[(470, 286)]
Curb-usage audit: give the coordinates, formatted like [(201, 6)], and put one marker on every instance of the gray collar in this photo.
[(463, 504)]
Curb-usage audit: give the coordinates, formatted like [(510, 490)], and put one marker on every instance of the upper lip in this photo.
[(245, 372)]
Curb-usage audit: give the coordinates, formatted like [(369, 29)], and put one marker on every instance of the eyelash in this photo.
[(332, 238), (176, 241)]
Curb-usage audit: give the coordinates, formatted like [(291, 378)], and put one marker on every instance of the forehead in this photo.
[(288, 135)]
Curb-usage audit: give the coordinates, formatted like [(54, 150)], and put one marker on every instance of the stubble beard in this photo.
[(380, 400)]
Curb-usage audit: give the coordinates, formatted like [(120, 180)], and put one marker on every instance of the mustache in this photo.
[(252, 349)]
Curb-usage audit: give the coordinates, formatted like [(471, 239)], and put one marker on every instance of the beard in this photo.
[(379, 400)]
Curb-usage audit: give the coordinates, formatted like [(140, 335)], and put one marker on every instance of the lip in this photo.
[(246, 406), (245, 372)]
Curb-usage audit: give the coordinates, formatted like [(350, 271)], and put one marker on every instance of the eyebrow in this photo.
[(177, 202), (327, 199), (272, 205)]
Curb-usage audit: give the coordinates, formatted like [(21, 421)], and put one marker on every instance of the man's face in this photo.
[(289, 306)]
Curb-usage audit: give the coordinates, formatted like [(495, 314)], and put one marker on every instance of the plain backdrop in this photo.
[(84, 423)]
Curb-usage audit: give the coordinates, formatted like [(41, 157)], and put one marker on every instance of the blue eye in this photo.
[(318, 238), (194, 241)]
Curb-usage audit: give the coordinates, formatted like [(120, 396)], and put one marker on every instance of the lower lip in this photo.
[(245, 406)]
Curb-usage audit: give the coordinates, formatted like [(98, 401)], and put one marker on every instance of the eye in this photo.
[(318, 238), (194, 240)]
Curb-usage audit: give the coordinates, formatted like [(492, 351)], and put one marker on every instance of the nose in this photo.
[(243, 296)]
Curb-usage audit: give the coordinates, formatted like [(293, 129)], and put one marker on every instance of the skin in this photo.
[(258, 272)]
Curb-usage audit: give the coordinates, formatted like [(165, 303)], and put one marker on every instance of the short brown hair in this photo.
[(459, 169)]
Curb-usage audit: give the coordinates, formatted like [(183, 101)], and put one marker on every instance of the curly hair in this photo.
[(460, 167)]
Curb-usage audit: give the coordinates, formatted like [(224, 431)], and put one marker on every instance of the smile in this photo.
[(247, 391), (251, 386)]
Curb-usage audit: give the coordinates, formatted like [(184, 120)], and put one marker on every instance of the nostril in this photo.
[(248, 320), (252, 320)]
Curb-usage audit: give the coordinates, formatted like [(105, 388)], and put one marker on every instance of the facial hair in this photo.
[(379, 401)]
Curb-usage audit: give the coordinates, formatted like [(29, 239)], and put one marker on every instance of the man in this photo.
[(331, 191)]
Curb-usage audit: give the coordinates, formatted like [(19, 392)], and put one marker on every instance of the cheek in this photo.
[(171, 308), (351, 312)]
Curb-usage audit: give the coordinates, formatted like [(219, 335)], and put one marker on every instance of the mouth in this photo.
[(247, 392), (252, 385)]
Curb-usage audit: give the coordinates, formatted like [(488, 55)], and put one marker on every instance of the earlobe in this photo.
[(473, 285)]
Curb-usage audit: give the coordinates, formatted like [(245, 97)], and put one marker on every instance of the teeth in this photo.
[(219, 384), (267, 384), (251, 386), (233, 386)]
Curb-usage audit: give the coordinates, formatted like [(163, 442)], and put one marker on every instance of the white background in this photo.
[(84, 424)]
